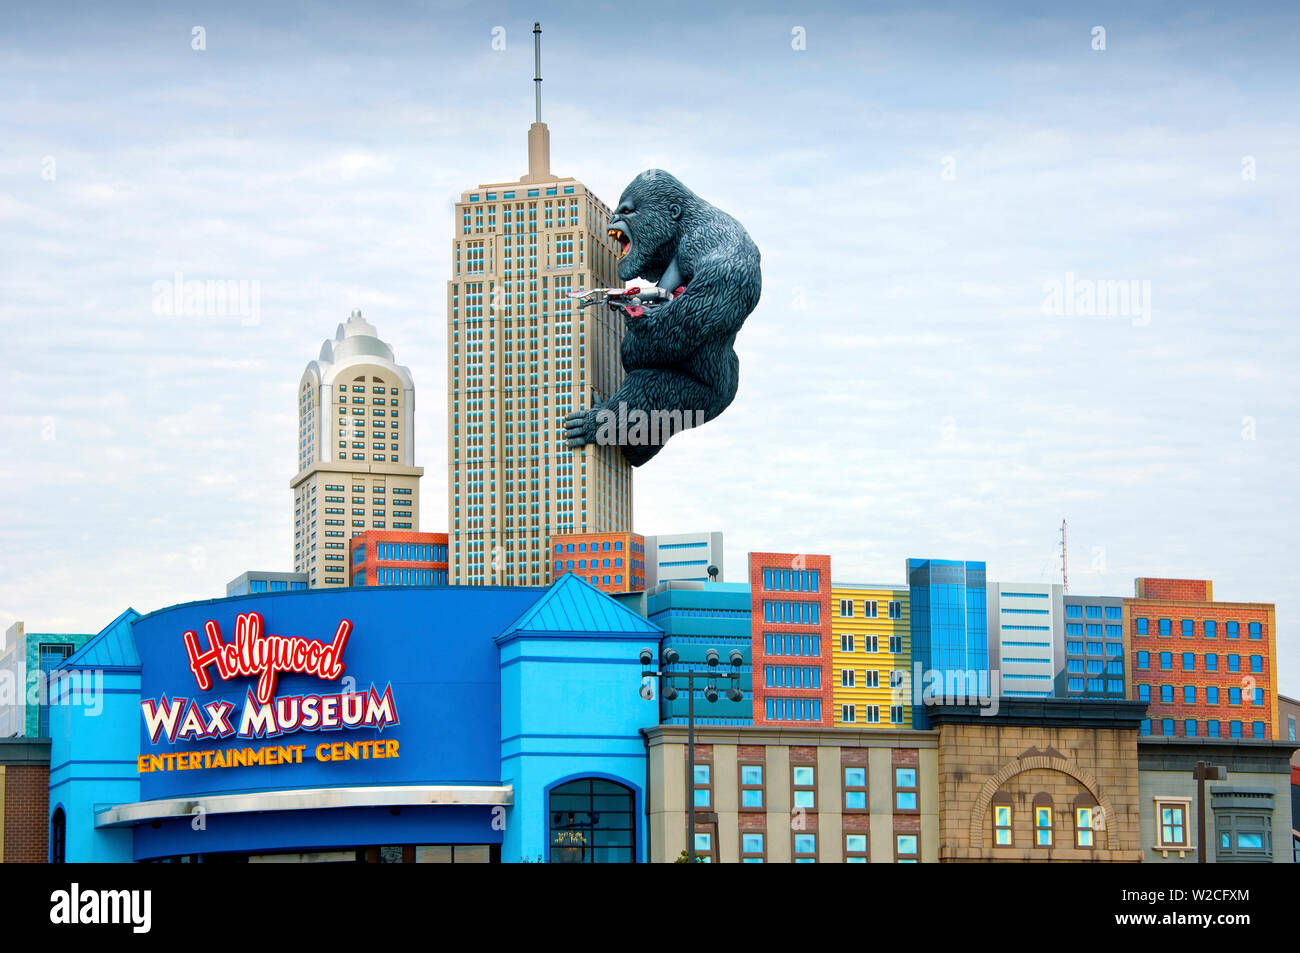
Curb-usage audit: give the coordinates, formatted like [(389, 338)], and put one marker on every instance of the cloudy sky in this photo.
[(916, 178)]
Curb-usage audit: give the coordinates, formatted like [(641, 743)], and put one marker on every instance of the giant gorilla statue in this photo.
[(678, 354)]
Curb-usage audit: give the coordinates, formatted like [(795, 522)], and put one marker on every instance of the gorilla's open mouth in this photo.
[(620, 236)]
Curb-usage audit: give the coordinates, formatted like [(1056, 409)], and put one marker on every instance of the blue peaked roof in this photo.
[(113, 647), (573, 605)]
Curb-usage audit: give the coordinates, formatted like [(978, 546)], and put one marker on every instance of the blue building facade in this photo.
[(443, 723), (1094, 648), (949, 623), (695, 617)]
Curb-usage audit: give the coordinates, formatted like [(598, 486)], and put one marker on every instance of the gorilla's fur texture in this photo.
[(678, 355)]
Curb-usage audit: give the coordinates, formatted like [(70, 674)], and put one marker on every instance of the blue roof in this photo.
[(113, 647), (573, 605)]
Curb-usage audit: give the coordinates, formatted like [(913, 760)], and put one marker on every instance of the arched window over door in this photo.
[(58, 836), (592, 821)]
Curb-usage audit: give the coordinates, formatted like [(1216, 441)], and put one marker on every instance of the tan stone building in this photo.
[(520, 356), (1041, 780), (356, 451)]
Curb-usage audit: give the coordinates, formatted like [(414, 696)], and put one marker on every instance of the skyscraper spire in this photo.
[(539, 137)]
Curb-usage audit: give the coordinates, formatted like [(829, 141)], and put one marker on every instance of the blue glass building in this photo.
[(949, 622)]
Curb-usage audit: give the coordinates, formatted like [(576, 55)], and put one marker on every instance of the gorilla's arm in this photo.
[(718, 298)]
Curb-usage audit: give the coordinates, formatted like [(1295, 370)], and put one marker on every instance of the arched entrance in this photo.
[(591, 821)]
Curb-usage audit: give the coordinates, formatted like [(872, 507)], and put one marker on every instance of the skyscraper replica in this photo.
[(356, 451), (520, 355)]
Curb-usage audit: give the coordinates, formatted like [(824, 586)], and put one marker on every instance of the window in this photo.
[(805, 848), (906, 848), (751, 787), (1189, 727), (1189, 694), (1171, 826), (591, 820), (1211, 662), (846, 678), (1234, 663), (1166, 627), (1256, 632), (1144, 660), (1002, 836), (703, 786), (1141, 626), (1189, 661), (1042, 824), (1144, 693), (803, 780), (1083, 830), (855, 848), (855, 788), (1212, 728), (1166, 660), (846, 643), (905, 789), (1211, 628), (846, 608), (848, 714), (1211, 694), (1189, 628), (1167, 727), (1167, 694), (704, 846), (1234, 631), (752, 848), (1244, 836)]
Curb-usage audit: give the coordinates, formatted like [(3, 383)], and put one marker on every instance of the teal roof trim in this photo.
[(572, 606)]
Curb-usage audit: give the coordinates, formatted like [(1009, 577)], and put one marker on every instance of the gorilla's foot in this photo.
[(580, 427)]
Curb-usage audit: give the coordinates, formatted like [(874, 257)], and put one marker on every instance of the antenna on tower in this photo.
[(1065, 564), (537, 66)]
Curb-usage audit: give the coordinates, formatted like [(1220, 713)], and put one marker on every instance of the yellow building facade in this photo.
[(872, 651)]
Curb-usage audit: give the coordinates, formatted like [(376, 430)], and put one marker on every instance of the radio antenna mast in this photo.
[(1065, 564)]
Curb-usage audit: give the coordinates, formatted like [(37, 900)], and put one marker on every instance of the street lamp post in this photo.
[(669, 691), (1204, 771)]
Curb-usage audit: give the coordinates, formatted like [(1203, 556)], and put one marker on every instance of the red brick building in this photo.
[(1207, 669), (385, 557), (24, 800), (612, 562), (790, 603)]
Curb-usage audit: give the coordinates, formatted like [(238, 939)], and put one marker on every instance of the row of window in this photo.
[(753, 847), (1190, 693), (1259, 729), (870, 609), (803, 788), (870, 714), (1209, 628), (792, 580), (1211, 662), (870, 643), (1115, 613)]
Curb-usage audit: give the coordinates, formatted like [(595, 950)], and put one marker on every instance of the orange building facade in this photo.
[(1207, 669), (612, 562), (398, 558), (791, 631)]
